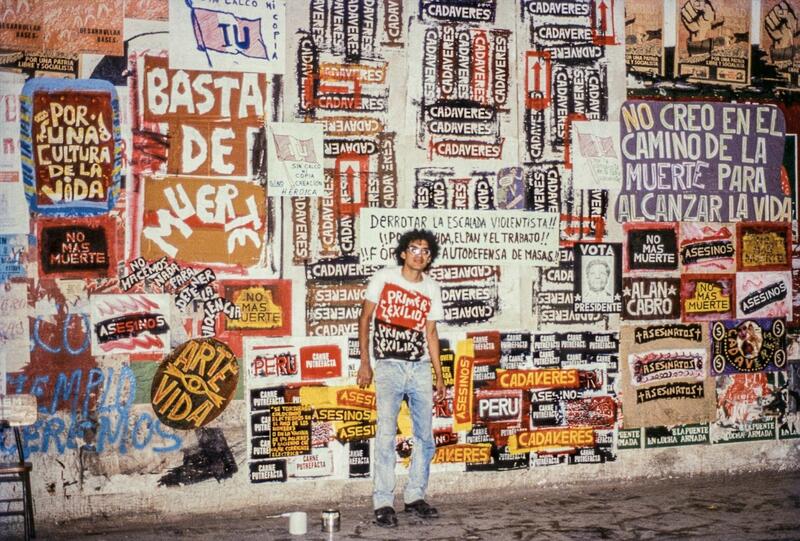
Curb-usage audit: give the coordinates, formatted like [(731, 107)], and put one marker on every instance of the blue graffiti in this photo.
[(101, 415), (243, 43), (65, 328)]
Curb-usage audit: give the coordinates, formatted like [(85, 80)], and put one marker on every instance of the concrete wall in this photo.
[(187, 330)]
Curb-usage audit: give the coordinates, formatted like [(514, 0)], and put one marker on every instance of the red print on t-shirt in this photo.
[(402, 307)]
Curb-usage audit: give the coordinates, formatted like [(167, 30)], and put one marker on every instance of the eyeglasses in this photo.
[(419, 250)]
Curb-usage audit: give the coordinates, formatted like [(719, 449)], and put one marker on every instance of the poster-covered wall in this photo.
[(193, 199)]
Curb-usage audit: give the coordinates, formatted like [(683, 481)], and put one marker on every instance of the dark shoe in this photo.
[(422, 509), (385, 517)]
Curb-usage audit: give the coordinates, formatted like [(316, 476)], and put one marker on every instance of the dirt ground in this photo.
[(750, 506)]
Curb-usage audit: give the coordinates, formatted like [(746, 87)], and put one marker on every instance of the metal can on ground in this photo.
[(330, 520)]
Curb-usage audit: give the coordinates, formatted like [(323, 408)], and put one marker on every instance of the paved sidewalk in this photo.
[(751, 506)]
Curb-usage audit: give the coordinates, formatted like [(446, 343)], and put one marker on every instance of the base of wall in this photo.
[(124, 501)]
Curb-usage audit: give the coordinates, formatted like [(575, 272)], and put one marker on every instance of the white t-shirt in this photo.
[(402, 310)]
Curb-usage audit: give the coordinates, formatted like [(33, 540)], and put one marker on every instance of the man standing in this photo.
[(406, 305)]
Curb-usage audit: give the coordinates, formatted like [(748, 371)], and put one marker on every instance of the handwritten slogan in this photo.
[(71, 149), (76, 249), (707, 247), (707, 297), (764, 294), (664, 374), (765, 246), (211, 117), (651, 247), (697, 161), (194, 383), (334, 293), (203, 220), (265, 306), (651, 298), (466, 237), (289, 432), (130, 324)]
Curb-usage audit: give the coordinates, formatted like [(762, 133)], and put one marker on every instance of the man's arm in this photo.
[(364, 376), (433, 350)]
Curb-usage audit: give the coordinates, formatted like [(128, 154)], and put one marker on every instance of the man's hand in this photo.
[(364, 376), (441, 392)]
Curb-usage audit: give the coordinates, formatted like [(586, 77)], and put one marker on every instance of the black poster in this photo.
[(652, 249), (651, 298), (359, 458), (265, 471), (262, 399), (598, 278), (74, 248), (502, 460)]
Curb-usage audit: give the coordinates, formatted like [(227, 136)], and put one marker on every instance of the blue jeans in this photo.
[(393, 380)]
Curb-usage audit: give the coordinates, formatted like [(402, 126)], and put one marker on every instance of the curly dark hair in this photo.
[(416, 234)]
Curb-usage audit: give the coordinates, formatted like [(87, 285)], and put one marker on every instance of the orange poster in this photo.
[(149, 10), (77, 26), (203, 221), (463, 387), (21, 25)]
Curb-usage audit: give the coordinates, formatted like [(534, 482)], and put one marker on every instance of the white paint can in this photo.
[(298, 523)]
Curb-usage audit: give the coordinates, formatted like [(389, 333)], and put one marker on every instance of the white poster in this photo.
[(466, 237), (295, 162), (18, 409), (14, 217), (12, 195), (271, 362), (130, 324), (10, 89), (229, 36), (15, 335), (596, 159), (2, 372)]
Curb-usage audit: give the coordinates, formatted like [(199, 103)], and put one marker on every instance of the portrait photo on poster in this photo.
[(598, 280), (598, 285)]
